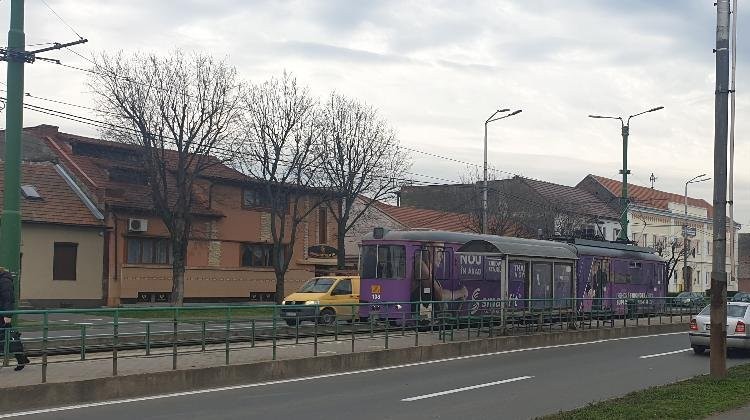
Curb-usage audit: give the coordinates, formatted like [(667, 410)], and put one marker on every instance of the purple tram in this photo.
[(414, 275)]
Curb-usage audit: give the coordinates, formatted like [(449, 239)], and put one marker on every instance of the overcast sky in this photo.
[(437, 69)]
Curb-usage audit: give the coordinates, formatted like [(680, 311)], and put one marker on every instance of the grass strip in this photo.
[(190, 313), (694, 398)]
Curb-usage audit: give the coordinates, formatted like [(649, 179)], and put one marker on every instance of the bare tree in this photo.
[(179, 110), (281, 148), (361, 157), (509, 212), (672, 252)]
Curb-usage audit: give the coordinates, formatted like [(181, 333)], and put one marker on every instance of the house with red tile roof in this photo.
[(393, 217), (62, 248), (229, 253), (657, 219), (520, 206)]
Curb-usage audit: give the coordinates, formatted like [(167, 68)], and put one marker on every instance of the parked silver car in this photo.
[(738, 327)]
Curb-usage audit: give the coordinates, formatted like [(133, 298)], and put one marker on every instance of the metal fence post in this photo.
[(83, 341), (228, 322), (275, 327), (6, 347), (45, 334), (175, 315), (148, 338), (354, 325), (203, 335), (115, 332), (315, 336)]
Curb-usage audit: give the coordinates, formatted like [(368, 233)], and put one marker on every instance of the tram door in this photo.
[(432, 280), (599, 277)]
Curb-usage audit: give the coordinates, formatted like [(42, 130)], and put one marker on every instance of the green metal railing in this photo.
[(122, 334)]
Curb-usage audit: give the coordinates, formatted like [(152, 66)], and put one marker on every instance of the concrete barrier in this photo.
[(119, 387)]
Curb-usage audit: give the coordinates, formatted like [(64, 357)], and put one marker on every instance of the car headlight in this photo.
[(283, 302), (312, 302)]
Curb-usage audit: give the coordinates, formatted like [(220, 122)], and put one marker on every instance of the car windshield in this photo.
[(317, 285), (733, 311), (684, 295), (741, 297)]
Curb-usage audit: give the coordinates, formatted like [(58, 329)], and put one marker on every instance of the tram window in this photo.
[(422, 264), (621, 272), (541, 283), (635, 271), (383, 262), (563, 284), (391, 262), (369, 261)]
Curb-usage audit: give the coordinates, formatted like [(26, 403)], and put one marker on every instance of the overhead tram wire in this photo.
[(104, 125), (61, 19)]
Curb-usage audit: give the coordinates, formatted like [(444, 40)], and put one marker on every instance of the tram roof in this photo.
[(519, 246)]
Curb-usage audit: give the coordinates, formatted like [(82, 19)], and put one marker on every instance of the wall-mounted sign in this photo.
[(322, 251)]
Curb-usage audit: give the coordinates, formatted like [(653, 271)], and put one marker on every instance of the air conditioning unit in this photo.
[(137, 225)]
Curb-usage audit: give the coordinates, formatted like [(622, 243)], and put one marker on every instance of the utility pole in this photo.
[(625, 171), (10, 221), (718, 343)]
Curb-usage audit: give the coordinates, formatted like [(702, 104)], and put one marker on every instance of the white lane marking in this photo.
[(664, 354), (95, 319), (310, 378), (466, 388)]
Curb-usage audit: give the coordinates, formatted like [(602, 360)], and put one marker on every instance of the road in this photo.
[(513, 384)]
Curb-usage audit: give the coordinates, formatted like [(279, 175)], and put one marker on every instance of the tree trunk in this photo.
[(179, 260), (340, 244), (279, 287)]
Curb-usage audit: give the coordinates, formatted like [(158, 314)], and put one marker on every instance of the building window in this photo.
[(64, 261), (322, 226), (259, 255), (149, 251), (708, 247), (255, 198), (616, 233)]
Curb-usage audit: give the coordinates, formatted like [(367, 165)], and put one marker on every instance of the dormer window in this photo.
[(30, 192)]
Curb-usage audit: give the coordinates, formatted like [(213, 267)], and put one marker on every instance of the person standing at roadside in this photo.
[(7, 304)]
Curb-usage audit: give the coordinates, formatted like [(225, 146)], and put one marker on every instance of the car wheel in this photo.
[(327, 316), (699, 349)]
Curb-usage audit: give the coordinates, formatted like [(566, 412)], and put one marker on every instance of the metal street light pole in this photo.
[(484, 188), (624, 171), (685, 248)]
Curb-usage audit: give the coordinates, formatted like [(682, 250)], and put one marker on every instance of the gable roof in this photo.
[(416, 218), (93, 161), (649, 197), (572, 199), (59, 203)]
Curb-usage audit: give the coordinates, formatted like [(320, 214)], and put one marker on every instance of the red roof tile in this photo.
[(59, 204), (416, 218), (649, 197), (95, 169)]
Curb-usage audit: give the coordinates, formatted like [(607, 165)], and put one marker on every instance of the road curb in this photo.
[(24, 398)]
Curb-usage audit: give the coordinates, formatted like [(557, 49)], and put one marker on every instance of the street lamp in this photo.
[(625, 171), (492, 118), (688, 285)]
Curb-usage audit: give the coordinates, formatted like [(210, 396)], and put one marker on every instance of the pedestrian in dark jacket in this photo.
[(7, 304)]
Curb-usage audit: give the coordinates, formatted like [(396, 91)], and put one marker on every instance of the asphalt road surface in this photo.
[(514, 384)]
